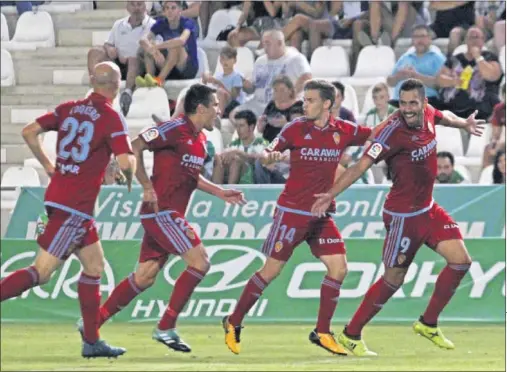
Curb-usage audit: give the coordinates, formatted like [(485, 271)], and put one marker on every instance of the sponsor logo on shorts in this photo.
[(278, 246), (401, 258), (375, 150), (451, 226), (190, 233), (150, 134), (330, 241)]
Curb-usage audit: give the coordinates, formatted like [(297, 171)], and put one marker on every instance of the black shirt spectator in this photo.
[(272, 113)]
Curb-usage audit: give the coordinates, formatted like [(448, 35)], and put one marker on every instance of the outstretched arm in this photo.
[(471, 124), (227, 195)]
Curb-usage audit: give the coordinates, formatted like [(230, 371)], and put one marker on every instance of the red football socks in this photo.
[(121, 296), (372, 303), (183, 289), (447, 282), (88, 289), (18, 282), (251, 293), (329, 293)]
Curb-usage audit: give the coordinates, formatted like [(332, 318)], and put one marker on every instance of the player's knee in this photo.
[(146, 274), (144, 280), (202, 264), (95, 268), (395, 277), (44, 274)]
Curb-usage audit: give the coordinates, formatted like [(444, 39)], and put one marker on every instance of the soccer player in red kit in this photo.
[(89, 131), (179, 149), (406, 141), (316, 143)]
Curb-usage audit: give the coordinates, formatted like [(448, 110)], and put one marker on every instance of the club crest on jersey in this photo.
[(273, 144), (150, 134), (190, 233), (336, 138), (278, 246), (375, 150)]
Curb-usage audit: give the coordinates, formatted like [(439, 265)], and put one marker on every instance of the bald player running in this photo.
[(89, 131)]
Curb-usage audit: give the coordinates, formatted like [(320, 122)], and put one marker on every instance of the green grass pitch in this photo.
[(270, 347)]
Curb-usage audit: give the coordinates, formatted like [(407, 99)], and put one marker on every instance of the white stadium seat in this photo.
[(350, 101), (502, 58), (449, 139), (486, 177), (215, 137), (219, 20), (375, 61), (465, 173), (17, 177), (33, 30), (244, 64), (4, 28), (145, 103), (7, 70), (330, 61)]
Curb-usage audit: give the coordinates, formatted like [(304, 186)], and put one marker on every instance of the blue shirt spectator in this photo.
[(233, 80)]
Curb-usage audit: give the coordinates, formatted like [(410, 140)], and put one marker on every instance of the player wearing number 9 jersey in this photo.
[(407, 143), (89, 131), (316, 143)]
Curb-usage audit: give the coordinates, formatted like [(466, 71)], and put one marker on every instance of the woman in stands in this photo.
[(499, 169)]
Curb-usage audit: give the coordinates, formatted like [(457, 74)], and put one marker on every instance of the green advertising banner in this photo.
[(293, 296), (479, 211)]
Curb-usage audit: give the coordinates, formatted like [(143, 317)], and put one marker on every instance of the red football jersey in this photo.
[(411, 155), (314, 155), (178, 156), (89, 130)]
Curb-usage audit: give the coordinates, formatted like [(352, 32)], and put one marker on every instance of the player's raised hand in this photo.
[(150, 197), (233, 196), (272, 157), (475, 126), (321, 205)]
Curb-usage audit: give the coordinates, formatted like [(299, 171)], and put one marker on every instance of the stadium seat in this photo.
[(49, 145), (477, 144), (173, 86), (17, 177), (321, 58), (4, 28), (219, 20), (375, 61), (502, 58), (3, 155), (7, 70), (216, 139), (33, 30), (350, 101), (449, 139), (465, 173), (486, 177), (368, 99), (148, 101), (244, 64)]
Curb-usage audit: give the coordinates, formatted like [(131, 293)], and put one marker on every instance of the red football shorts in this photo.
[(66, 232), (406, 234), (166, 233), (291, 229)]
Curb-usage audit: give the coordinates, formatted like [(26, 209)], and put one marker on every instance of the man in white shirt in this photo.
[(122, 47)]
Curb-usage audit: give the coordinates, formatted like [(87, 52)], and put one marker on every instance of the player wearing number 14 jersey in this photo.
[(89, 131), (316, 143), (406, 141)]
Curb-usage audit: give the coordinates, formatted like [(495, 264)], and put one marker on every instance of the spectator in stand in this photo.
[(236, 163), (23, 6), (278, 111), (382, 109), (470, 80), (170, 50), (422, 62), (338, 111), (207, 169), (497, 140), (260, 16), (487, 13), (499, 33), (122, 47), (301, 14), (445, 169), (229, 81), (452, 19), (342, 18), (189, 9), (389, 20), (277, 60), (209, 7), (499, 168)]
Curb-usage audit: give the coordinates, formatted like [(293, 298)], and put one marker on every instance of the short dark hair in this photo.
[(339, 86), (285, 80), (197, 94), (248, 116), (326, 90), (413, 84), (497, 175), (446, 154), (179, 3), (296, 110), (229, 52), (422, 27)]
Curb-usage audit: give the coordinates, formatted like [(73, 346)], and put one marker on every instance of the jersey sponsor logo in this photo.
[(423, 152), (68, 168), (273, 144), (316, 154), (233, 264), (375, 150), (192, 161), (336, 137), (150, 134)]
